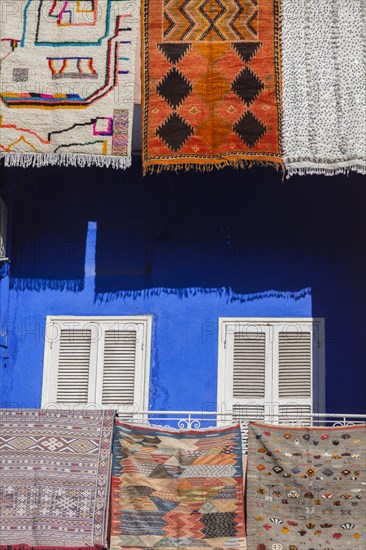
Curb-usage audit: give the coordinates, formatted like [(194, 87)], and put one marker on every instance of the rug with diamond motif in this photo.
[(177, 489), (55, 477), (306, 487), (211, 84)]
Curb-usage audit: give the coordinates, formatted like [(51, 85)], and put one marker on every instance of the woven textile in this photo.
[(27, 547), (67, 81), (55, 476), (174, 489), (211, 83), (306, 488), (324, 86)]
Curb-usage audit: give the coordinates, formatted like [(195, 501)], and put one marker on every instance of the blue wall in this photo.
[(187, 249)]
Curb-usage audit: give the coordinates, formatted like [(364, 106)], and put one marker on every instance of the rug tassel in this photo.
[(208, 167), (313, 171), (38, 160)]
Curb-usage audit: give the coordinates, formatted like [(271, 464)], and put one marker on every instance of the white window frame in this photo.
[(269, 325), (143, 326)]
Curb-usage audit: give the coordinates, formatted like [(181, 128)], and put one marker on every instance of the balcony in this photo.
[(193, 420)]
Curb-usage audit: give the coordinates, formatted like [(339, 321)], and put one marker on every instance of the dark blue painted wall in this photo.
[(187, 249)]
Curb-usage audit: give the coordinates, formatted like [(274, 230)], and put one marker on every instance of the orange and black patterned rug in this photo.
[(211, 83)]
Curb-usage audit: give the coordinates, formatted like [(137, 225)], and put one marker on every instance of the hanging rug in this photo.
[(67, 82), (177, 489), (324, 86), (306, 487), (211, 84), (55, 477)]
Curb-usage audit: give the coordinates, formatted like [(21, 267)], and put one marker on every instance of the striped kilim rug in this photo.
[(306, 488), (211, 83), (55, 476), (174, 489), (67, 82)]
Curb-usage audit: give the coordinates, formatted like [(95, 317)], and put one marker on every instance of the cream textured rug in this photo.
[(67, 81), (324, 86)]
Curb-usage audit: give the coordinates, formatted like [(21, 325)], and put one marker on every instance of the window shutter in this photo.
[(3, 228), (293, 412), (271, 368), (248, 387), (294, 365), (249, 366), (73, 367), (119, 367), (98, 362), (295, 373), (248, 412)]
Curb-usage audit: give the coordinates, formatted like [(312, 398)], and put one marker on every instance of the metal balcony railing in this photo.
[(192, 420)]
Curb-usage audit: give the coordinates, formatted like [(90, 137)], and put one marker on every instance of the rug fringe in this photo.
[(209, 166), (37, 160), (323, 171)]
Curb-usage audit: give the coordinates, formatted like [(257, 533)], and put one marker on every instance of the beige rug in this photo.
[(306, 487), (67, 82)]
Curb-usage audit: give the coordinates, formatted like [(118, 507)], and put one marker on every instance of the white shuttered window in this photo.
[(103, 361), (271, 369)]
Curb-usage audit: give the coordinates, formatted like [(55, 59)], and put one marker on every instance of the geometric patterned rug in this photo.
[(211, 84), (55, 476), (177, 489), (306, 487)]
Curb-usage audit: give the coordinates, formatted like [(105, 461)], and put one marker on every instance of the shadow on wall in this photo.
[(48, 234), (244, 230)]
